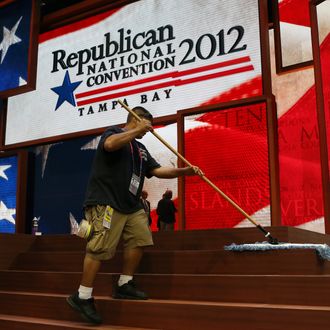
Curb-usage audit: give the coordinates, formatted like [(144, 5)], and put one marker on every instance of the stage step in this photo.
[(11, 245), (284, 262), (9, 322), (211, 239), (173, 314), (266, 289), (193, 283)]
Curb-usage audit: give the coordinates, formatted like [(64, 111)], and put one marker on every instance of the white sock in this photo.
[(123, 279), (85, 292)]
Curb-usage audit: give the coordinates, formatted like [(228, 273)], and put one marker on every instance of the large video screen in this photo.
[(164, 55)]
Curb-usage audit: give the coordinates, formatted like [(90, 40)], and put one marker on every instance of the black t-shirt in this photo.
[(112, 172)]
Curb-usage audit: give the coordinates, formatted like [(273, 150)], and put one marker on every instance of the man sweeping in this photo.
[(113, 208)]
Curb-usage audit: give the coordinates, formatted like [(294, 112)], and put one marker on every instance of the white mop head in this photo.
[(322, 249)]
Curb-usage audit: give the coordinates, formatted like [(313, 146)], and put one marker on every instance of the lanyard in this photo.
[(133, 162), (146, 207)]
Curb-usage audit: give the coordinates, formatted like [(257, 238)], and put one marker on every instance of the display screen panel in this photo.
[(14, 46), (156, 187), (231, 148), (8, 184), (63, 169), (323, 12), (19, 27), (164, 55), (295, 32), (299, 148)]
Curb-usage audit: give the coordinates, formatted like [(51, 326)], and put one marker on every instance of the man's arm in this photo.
[(170, 172), (117, 141)]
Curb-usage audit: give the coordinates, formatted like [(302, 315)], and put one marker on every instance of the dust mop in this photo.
[(323, 250)]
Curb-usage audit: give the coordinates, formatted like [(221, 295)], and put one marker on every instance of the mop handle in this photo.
[(228, 199)]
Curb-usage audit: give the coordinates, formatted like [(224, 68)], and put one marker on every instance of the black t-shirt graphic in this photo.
[(112, 172)]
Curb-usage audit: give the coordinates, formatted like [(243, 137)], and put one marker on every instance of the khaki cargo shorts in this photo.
[(133, 228)]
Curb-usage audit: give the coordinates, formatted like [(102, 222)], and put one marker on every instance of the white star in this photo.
[(9, 38), (6, 214), (2, 171), (74, 224), (44, 150), (22, 81), (92, 145)]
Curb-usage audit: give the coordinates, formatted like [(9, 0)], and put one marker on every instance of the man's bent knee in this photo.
[(100, 256)]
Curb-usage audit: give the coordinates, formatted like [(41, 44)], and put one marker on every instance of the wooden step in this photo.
[(11, 245), (210, 239), (173, 314), (9, 322), (267, 289), (284, 262)]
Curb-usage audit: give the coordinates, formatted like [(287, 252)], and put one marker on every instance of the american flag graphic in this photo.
[(300, 169), (8, 182), (14, 44), (60, 177)]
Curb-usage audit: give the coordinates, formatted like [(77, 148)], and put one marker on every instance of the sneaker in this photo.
[(129, 291), (85, 307)]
